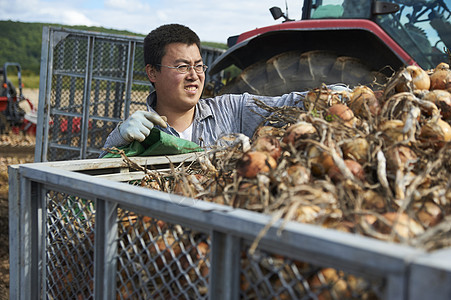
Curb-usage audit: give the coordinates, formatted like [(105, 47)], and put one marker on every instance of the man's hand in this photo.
[(138, 125)]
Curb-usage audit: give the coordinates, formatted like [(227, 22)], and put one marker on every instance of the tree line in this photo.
[(21, 42)]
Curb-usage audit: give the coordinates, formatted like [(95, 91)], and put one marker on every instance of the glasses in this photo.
[(185, 68)]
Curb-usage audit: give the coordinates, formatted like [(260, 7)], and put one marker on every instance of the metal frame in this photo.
[(408, 273)]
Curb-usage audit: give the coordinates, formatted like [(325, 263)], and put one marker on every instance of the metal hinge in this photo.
[(382, 8)]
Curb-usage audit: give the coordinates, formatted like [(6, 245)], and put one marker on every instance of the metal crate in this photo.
[(80, 229), (89, 82)]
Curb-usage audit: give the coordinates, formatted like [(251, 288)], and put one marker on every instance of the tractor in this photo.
[(355, 42), (15, 109)]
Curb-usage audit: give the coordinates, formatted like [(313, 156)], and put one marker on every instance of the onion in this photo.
[(373, 201), (268, 144), (420, 79), (321, 98), (429, 213), (356, 149), (269, 130), (360, 96), (402, 224), (437, 131), (325, 160), (442, 99), (300, 130), (340, 112), (353, 166), (298, 174), (441, 77), (255, 162), (400, 157), (392, 130)]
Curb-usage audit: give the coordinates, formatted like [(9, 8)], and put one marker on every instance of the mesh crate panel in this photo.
[(158, 260), (110, 59), (70, 55), (138, 97), (106, 99), (67, 95), (69, 251), (66, 130), (139, 71), (97, 134), (272, 276)]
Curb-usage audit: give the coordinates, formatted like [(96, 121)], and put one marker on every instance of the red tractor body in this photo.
[(348, 41)]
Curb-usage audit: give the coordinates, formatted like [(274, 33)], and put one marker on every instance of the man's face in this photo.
[(177, 91)]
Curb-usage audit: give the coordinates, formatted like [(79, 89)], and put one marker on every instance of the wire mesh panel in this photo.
[(69, 247), (88, 83), (160, 260), (271, 276), (82, 236)]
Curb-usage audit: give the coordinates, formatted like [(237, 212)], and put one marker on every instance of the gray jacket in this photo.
[(220, 115)]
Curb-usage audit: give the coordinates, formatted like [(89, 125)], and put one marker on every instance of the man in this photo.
[(175, 68)]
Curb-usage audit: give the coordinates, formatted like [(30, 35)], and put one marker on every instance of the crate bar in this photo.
[(105, 250), (87, 97), (24, 235), (15, 232), (46, 70), (225, 260), (104, 163), (129, 77), (367, 256), (430, 276)]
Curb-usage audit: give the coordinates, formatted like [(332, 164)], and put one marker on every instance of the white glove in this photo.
[(138, 125)]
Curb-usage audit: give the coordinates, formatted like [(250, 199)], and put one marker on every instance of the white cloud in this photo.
[(213, 20), (127, 5)]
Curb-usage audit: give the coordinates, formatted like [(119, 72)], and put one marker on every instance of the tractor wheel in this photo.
[(296, 71)]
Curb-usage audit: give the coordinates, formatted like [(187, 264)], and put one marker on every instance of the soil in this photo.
[(15, 148)]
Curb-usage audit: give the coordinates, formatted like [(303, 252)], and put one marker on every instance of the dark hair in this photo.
[(156, 41)]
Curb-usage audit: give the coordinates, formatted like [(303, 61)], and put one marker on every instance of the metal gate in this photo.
[(89, 82)]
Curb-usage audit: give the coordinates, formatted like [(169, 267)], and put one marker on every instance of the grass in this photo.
[(29, 81)]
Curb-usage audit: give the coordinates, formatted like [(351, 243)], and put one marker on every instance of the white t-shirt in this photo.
[(187, 133)]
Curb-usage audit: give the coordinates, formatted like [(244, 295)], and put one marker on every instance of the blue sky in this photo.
[(213, 20)]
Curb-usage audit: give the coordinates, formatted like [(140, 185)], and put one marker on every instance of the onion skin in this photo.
[(269, 130), (322, 163), (321, 98), (268, 144), (298, 174), (300, 130), (436, 131), (392, 130), (356, 149), (255, 162), (420, 79), (355, 168), (407, 157), (429, 214), (442, 99), (360, 96), (441, 77), (340, 112), (404, 226)]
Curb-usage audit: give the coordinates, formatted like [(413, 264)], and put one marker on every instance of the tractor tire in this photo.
[(296, 71)]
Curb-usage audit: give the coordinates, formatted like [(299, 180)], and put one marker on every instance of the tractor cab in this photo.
[(421, 28)]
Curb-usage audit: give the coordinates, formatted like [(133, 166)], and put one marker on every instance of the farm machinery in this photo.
[(16, 111), (347, 41)]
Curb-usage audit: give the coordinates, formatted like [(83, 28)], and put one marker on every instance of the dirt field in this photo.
[(14, 149)]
